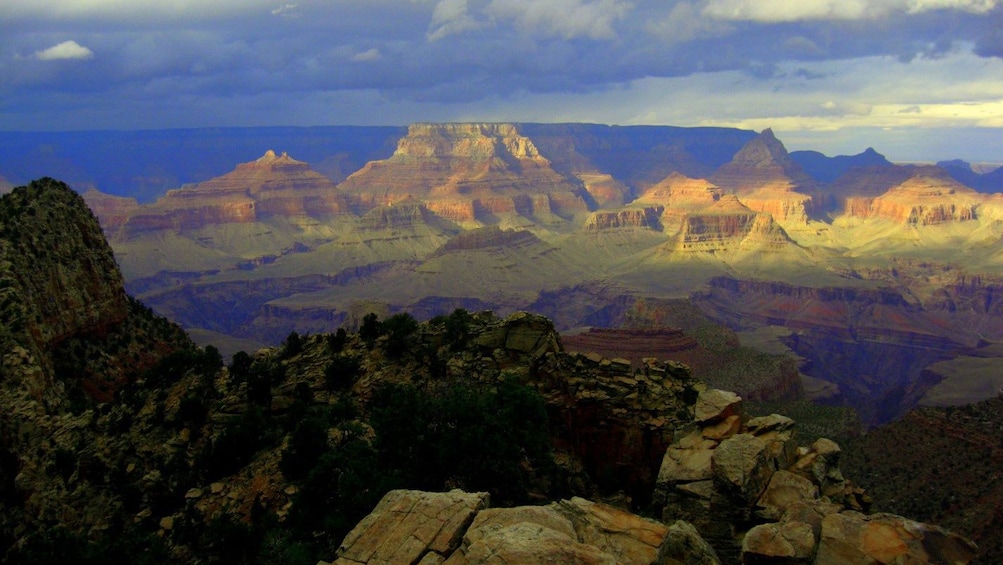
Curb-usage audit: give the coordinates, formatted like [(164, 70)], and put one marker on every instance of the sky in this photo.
[(918, 80)]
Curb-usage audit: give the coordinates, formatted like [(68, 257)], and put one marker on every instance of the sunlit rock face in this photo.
[(766, 179), (927, 197), (727, 225), (271, 186), (469, 173)]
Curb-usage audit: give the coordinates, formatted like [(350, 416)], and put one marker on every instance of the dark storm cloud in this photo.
[(146, 53)]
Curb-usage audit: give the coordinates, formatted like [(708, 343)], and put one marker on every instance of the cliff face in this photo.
[(766, 179), (468, 173), (729, 225), (272, 186), (927, 197), (60, 272), (633, 217)]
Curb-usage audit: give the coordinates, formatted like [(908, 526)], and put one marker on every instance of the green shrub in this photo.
[(341, 372)]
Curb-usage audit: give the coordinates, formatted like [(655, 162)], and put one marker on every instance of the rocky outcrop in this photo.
[(271, 186), (488, 237), (455, 528), (757, 497), (60, 276), (470, 174), (735, 490), (617, 420), (761, 163)]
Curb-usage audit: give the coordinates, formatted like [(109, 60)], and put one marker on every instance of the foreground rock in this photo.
[(758, 497), (455, 528)]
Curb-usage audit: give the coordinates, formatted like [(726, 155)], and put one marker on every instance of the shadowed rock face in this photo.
[(873, 343), (468, 173), (57, 264)]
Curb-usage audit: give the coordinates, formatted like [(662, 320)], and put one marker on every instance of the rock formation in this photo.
[(729, 225), (271, 186), (69, 338), (111, 211), (743, 483), (766, 179), (927, 197), (458, 528), (471, 174)]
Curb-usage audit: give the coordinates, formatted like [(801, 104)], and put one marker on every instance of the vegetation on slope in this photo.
[(940, 465)]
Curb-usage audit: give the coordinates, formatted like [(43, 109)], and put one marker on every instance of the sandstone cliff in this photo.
[(111, 211), (271, 186), (928, 196), (472, 174), (766, 179)]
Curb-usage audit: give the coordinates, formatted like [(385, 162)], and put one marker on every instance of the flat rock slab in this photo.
[(406, 525)]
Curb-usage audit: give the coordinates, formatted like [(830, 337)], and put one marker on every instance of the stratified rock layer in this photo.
[(468, 173), (271, 186)]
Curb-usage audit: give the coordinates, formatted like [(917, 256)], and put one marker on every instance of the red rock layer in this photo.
[(632, 345), (646, 217), (928, 197), (728, 225), (766, 179), (112, 211), (274, 185), (466, 173)]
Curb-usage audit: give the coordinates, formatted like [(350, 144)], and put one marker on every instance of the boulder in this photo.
[(851, 537), (627, 537), (786, 542), (740, 467), (406, 525), (683, 545), (526, 542), (714, 405), (785, 488)]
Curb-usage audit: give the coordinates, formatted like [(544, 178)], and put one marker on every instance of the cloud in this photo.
[(799, 10), (450, 17), (368, 55), (684, 23), (287, 11), (63, 51), (565, 18)]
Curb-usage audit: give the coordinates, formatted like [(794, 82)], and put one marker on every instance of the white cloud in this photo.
[(450, 17), (367, 56), (287, 11), (63, 51), (798, 10), (566, 18)]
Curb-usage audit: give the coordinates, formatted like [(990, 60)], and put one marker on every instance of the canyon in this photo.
[(863, 273), (122, 440)]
